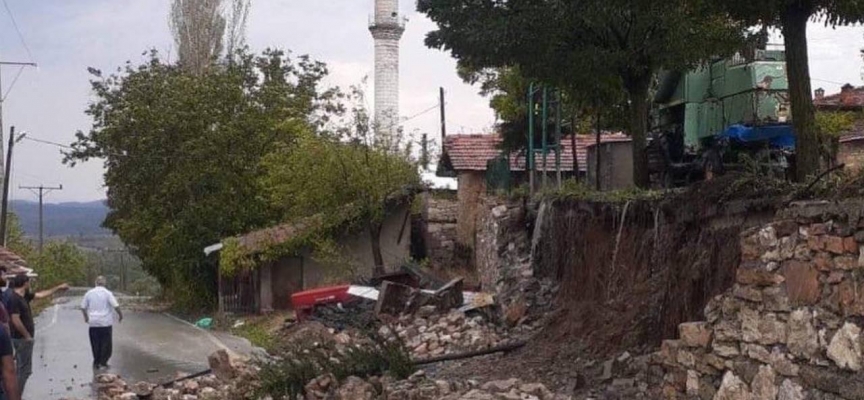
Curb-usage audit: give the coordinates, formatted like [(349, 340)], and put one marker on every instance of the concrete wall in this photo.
[(291, 274), (472, 185), (616, 165)]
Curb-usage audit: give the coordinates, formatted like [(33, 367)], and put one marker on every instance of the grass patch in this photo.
[(258, 335)]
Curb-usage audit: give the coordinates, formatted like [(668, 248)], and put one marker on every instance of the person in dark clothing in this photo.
[(7, 369), (23, 328)]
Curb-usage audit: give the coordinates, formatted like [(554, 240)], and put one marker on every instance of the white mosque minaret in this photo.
[(387, 27)]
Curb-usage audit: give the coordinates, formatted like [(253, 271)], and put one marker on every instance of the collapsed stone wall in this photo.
[(503, 260), (630, 272), (790, 327)]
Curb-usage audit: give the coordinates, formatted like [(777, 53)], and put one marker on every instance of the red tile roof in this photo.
[(849, 98), (472, 152), (11, 263)]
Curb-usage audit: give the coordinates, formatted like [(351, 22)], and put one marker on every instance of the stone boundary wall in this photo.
[(440, 229), (790, 327)]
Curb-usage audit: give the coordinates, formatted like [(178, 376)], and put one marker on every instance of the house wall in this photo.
[(851, 153), (472, 184), (292, 274), (616, 165)]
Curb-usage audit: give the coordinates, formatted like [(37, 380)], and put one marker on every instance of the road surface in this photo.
[(147, 346)]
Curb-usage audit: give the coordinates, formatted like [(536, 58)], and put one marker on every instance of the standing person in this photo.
[(23, 327), (7, 369), (98, 307)]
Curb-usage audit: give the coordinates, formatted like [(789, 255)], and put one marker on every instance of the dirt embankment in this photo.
[(631, 272)]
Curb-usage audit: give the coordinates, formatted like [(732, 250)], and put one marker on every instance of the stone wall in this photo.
[(472, 186), (503, 260), (790, 327), (439, 229)]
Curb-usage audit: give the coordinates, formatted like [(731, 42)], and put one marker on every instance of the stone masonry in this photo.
[(790, 327), (439, 215)]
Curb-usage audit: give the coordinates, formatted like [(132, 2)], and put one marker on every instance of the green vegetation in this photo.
[(189, 176), (572, 189), (257, 335), (306, 360), (593, 50)]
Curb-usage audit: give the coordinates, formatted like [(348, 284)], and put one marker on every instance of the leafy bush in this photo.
[(305, 360)]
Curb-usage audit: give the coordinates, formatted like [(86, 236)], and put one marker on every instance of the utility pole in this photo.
[(2, 100), (41, 191), (443, 118), (4, 207)]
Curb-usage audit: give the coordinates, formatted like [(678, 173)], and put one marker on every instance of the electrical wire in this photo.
[(18, 75), (18, 30), (43, 141)]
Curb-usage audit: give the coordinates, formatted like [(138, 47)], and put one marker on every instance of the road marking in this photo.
[(209, 335)]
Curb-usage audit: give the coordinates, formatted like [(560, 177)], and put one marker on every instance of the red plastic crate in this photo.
[(303, 302)]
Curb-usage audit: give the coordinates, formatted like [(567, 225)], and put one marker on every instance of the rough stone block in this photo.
[(816, 243), (801, 337), (775, 299), (823, 262), (850, 245), (726, 350), (845, 347), (790, 391), (834, 244), (747, 293), (758, 277), (732, 388), (845, 262), (802, 283), (771, 330), (818, 229), (763, 384), (695, 334)]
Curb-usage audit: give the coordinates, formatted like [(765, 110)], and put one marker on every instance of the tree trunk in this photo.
[(375, 238), (637, 91), (803, 113), (573, 147)]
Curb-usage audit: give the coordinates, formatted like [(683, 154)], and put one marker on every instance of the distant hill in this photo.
[(62, 219)]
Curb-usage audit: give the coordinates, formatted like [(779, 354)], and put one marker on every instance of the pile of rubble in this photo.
[(429, 334), (421, 387), (231, 378)]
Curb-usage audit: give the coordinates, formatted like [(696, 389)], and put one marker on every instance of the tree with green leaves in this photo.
[(182, 154), (571, 43), (356, 174), (791, 17)]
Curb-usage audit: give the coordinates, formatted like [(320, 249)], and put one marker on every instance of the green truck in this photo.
[(705, 119)]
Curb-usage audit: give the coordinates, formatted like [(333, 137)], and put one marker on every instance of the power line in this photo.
[(43, 141), (14, 81), (20, 35)]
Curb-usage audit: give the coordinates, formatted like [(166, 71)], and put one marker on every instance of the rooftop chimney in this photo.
[(820, 93), (846, 94)]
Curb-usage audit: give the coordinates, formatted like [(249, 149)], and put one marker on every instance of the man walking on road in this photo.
[(98, 307), (23, 329)]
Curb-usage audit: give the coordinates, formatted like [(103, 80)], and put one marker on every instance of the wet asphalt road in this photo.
[(147, 346)]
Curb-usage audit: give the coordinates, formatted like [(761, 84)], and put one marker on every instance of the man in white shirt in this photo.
[(98, 307)]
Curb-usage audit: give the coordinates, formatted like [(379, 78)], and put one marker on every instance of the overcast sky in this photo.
[(65, 37)]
